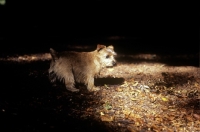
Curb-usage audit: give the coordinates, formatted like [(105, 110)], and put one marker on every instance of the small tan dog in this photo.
[(80, 67)]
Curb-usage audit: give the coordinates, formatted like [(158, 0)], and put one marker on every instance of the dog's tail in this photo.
[(54, 54)]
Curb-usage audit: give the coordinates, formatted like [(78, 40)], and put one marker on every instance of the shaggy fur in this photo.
[(80, 67)]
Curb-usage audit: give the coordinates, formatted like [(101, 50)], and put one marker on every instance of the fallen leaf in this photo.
[(126, 113), (158, 119), (134, 99), (135, 83), (119, 89), (196, 84), (106, 86), (189, 118), (145, 86), (164, 99), (125, 84), (197, 116), (106, 118), (170, 118), (101, 113)]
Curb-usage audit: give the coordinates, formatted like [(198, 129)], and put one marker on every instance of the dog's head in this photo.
[(106, 55)]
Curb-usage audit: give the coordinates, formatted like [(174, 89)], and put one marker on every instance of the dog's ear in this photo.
[(111, 50), (100, 47), (110, 47)]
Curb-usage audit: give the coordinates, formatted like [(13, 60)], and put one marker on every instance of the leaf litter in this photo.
[(152, 97)]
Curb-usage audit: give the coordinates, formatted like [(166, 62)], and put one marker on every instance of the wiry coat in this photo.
[(80, 67)]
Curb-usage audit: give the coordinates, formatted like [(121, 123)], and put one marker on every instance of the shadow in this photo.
[(168, 59), (192, 107), (173, 82), (29, 102), (108, 81), (173, 79), (193, 104)]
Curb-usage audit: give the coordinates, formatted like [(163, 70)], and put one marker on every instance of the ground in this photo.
[(144, 92)]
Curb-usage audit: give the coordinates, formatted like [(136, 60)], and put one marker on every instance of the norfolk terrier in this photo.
[(80, 67)]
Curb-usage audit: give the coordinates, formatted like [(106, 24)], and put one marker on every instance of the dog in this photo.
[(80, 67)]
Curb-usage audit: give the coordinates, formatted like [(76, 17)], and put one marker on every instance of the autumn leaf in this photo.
[(197, 116), (164, 99), (106, 86), (134, 99), (106, 118), (119, 89), (101, 113), (135, 83)]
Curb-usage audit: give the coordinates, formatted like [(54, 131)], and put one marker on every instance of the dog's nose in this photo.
[(114, 63)]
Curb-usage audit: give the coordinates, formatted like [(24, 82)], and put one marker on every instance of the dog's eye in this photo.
[(107, 56)]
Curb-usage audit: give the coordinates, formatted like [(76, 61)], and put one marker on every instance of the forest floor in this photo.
[(144, 92)]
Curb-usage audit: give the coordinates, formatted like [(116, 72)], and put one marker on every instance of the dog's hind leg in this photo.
[(69, 83)]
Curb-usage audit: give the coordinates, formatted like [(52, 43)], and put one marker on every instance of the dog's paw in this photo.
[(95, 89)]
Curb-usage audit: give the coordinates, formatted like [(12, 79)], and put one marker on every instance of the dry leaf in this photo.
[(170, 118), (134, 99), (158, 119), (164, 99), (126, 113), (197, 116), (196, 84), (135, 83), (189, 118), (106, 118), (101, 113), (119, 89), (145, 86), (106, 86), (125, 84)]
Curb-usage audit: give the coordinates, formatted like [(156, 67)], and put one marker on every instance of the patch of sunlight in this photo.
[(28, 58)]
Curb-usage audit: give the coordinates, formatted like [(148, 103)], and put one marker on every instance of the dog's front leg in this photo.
[(90, 85)]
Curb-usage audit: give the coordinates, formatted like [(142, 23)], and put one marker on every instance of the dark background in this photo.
[(35, 26), (29, 102)]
